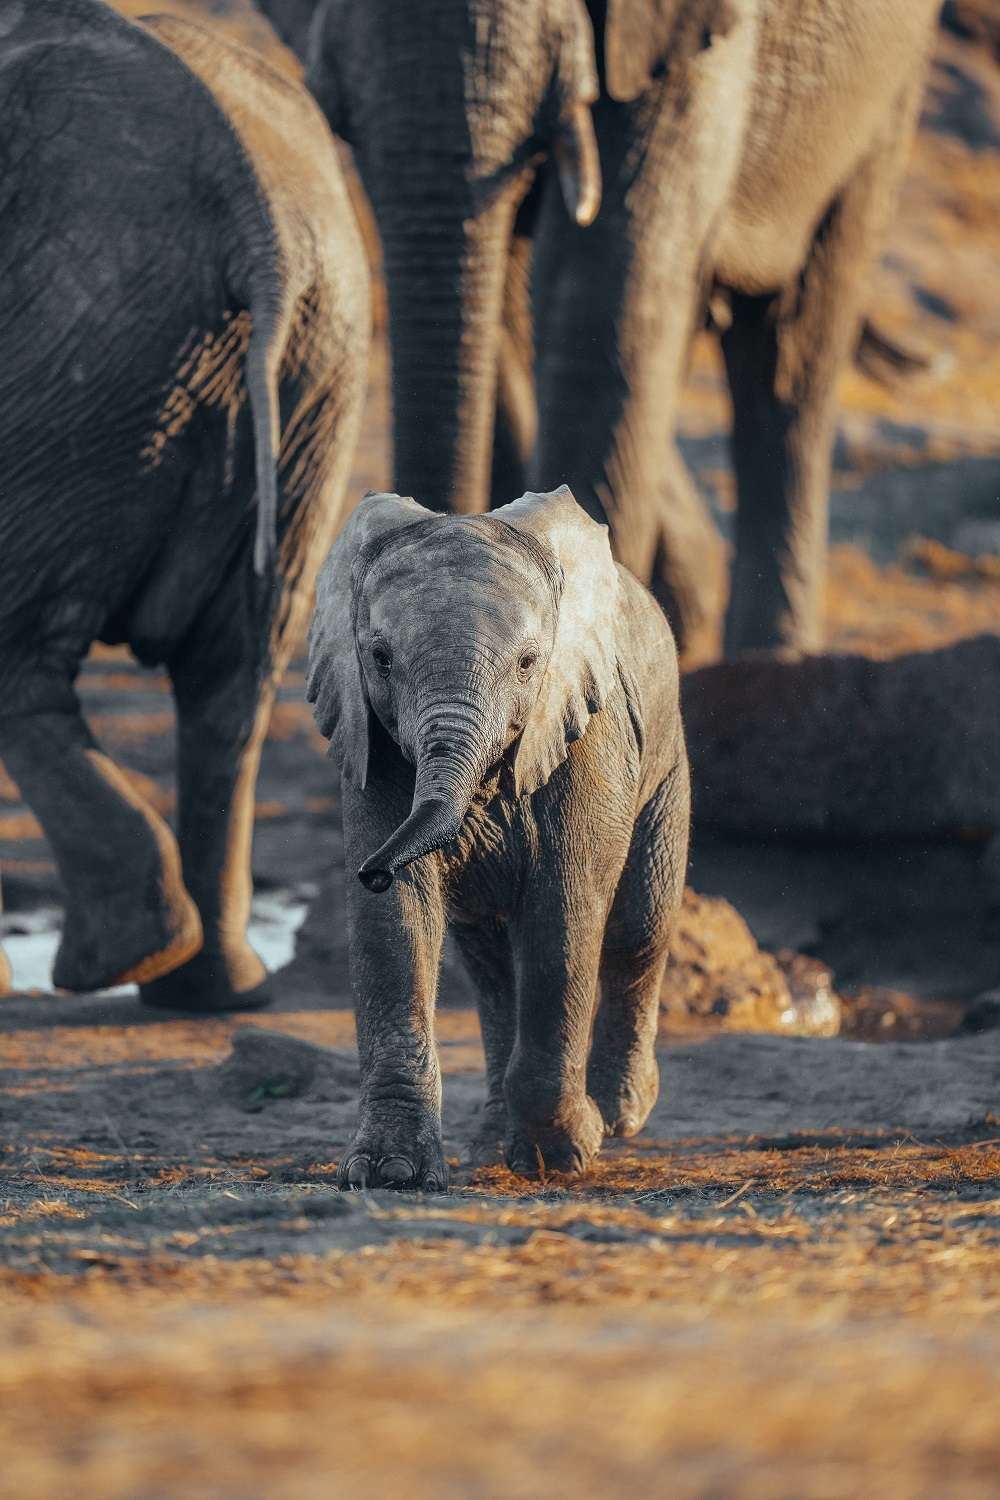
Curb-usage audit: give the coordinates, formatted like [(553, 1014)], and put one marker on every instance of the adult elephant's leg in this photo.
[(224, 690), (783, 356), (615, 306), (128, 916), (781, 454), (516, 420)]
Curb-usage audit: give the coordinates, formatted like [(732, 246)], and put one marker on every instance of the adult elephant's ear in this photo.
[(583, 667), (640, 35), (335, 684)]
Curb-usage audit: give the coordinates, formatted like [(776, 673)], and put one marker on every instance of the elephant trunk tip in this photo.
[(432, 824), (374, 879)]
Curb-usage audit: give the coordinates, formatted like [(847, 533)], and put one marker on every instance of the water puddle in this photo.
[(30, 938)]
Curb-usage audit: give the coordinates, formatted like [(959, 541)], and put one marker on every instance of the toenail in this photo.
[(357, 1174), (394, 1171)]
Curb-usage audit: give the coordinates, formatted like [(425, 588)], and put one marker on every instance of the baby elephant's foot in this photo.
[(626, 1100), (533, 1150), (400, 1153)]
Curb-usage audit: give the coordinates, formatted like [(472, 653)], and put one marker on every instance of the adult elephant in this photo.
[(184, 317), (750, 151), (450, 106)]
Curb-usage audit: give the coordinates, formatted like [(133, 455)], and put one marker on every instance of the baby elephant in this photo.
[(503, 700)]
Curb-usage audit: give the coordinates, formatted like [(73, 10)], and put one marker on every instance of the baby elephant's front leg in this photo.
[(395, 949), (553, 1124)]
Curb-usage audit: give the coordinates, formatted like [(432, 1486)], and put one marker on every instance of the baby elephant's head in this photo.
[(464, 637)]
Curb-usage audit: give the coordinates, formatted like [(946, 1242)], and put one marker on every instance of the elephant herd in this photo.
[(562, 192)]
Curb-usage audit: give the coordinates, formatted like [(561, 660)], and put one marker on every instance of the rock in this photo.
[(878, 1013), (847, 747), (265, 1066), (814, 1008), (717, 973)]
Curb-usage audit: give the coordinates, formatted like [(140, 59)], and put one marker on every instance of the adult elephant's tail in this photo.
[(262, 368), (254, 265)]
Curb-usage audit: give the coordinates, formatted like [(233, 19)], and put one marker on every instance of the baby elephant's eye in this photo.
[(526, 663), (382, 659)]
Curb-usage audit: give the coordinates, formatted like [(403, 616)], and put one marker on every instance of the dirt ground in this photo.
[(787, 1286)]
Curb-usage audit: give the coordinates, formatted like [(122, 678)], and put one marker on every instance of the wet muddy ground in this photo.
[(787, 1286)]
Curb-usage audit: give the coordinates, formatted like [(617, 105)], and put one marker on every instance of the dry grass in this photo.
[(752, 1349), (886, 611)]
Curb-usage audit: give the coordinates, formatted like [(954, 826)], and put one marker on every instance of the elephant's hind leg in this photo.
[(623, 1075), (488, 957), (553, 1124), (784, 353), (224, 692), (128, 915)]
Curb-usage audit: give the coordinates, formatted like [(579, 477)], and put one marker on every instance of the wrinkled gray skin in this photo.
[(503, 700), (184, 320), (449, 106), (750, 152)]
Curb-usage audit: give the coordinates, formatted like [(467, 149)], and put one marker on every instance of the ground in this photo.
[(787, 1286)]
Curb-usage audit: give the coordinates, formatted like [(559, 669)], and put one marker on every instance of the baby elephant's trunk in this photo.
[(432, 824), (456, 741)]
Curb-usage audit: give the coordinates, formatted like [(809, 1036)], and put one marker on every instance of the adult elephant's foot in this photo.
[(487, 1145), (400, 1151), (625, 1094), (212, 981), (533, 1150), (118, 938)]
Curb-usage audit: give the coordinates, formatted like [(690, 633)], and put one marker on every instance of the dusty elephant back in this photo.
[(291, 158), (125, 269), (314, 283), (117, 243)]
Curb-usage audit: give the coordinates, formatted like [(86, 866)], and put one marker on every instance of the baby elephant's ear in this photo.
[(335, 684), (583, 668)]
